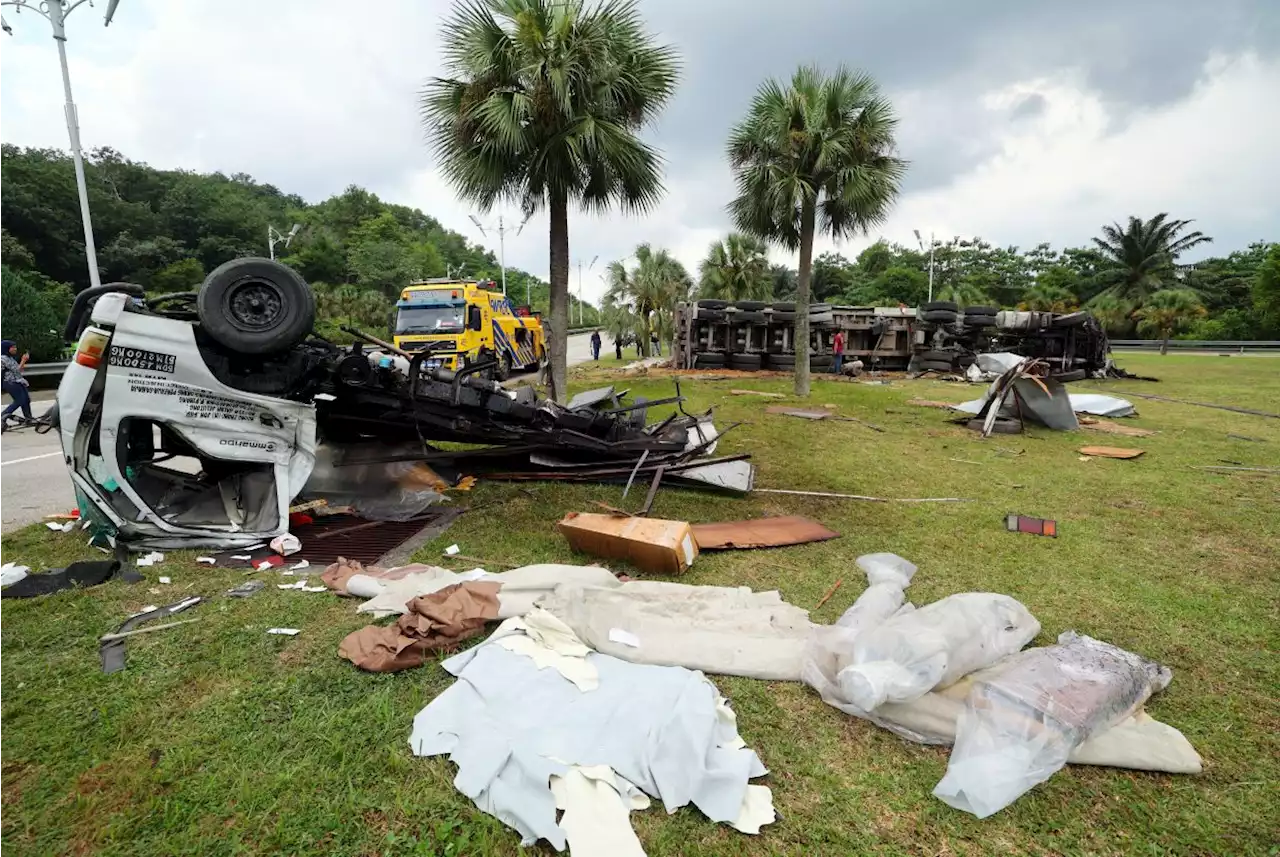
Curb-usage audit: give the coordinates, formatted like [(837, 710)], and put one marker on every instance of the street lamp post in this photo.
[(921, 241), (502, 230), (56, 12), (589, 267), (275, 236)]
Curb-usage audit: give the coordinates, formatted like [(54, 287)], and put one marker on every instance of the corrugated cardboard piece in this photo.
[(760, 533), (656, 546)]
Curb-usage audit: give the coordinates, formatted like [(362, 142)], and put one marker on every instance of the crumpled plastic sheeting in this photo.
[(717, 629), (506, 724), (1081, 403), (549, 643), (1019, 726), (908, 655)]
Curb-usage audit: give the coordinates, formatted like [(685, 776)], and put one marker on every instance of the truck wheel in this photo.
[(256, 306), (503, 372)]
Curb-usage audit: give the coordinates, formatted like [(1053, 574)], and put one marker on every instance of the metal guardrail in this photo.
[(1239, 345)]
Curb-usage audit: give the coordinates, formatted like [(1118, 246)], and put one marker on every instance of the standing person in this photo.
[(837, 346), (657, 345), (595, 344), (14, 382), (617, 347)]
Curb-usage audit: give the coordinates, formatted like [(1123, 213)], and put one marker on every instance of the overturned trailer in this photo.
[(195, 419), (936, 337)]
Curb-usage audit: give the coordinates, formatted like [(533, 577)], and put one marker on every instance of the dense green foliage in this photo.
[(165, 229), (736, 268), (640, 300), (542, 107), (814, 155)]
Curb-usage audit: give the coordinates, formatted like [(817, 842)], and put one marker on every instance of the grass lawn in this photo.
[(220, 739)]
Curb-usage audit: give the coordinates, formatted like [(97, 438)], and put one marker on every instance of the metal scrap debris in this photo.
[(1034, 526)]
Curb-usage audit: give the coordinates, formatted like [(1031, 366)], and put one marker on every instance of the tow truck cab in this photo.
[(461, 323)]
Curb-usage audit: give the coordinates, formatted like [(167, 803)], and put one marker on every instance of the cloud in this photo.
[(1024, 122)]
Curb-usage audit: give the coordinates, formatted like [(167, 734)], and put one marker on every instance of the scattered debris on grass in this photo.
[(1111, 452), (285, 632), (244, 590), (112, 652), (12, 573), (1246, 437), (760, 533), (827, 595), (81, 574), (757, 393), (1225, 469), (1232, 408), (863, 497), (1096, 424), (1034, 526)]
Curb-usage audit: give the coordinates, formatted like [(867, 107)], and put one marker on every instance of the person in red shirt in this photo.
[(837, 346)]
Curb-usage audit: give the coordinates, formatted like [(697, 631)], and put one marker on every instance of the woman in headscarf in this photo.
[(14, 382)]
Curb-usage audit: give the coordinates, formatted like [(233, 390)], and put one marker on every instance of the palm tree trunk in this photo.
[(808, 214), (1164, 343), (558, 337), (642, 336)]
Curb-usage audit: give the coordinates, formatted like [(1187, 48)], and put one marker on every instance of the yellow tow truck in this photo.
[(461, 323)]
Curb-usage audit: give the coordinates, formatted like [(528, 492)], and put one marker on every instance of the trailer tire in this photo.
[(940, 316), (938, 356), (783, 317), (784, 306), (981, 310), (979, 320), (747, 317), (749, 362), (781, 361), (711, 314), (937, 366), (821, 361), (949, 306), (712, 304), (1073, 375), (708, 361), (750, 306), (256, 306)]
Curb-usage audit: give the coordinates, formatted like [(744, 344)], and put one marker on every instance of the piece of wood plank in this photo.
[(1111, 452), (1110, 427), (760, 533), (757, 393)]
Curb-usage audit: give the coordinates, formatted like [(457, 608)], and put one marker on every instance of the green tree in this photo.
[(964, 293), (382, 255), (28, 318), (13, 255), (1266, 293), (814, 154), (650, 290), (1047, 297), (1166, 311), (318, 259), (784, 281), (185, 275), (832, 275), (542, 107), (897, 285), (1113, 313), (1140, 257), (736, 268)]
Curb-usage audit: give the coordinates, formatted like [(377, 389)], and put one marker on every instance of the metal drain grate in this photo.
[(326, 539)]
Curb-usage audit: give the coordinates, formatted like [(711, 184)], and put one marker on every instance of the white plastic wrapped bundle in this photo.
[(1019, 726), (911, 653)]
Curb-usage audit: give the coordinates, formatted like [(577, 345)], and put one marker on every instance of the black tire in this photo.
[(752, 317), (815, 309), (708, 361), (1073, 375), (1071, 319), (822, 320), (821, 361), (785, 306), (781, 361), (745, 361), (503, 372), (981, 310), (949, 306), (937, 366), (256, 306), (938, 356), (979, 320), (782, 317), (750, 306), (711, 314), (712, 304), (940, 316)]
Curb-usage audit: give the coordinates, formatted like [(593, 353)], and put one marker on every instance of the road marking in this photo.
[(30, 458)]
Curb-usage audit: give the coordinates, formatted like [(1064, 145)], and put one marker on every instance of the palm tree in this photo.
[(542, 107), (963, 293), (650, 291), (814, 154), (1166, 311), (1046, 297), (736, 269), (1142, 256), (1113, 313)]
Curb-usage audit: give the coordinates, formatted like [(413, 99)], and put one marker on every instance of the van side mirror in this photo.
[(474, 319)]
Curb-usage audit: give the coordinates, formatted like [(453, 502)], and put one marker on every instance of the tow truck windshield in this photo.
[(447, 319)]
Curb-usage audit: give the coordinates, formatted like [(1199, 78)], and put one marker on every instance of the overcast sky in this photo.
[(1023, 121)]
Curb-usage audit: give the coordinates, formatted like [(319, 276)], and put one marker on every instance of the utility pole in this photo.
[(589, 267), (56, 12), (502, 229)]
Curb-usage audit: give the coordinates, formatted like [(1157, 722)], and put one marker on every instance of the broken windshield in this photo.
[(446, 319)]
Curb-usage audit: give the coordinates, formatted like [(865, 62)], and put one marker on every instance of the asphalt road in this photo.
[(34, 481)]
